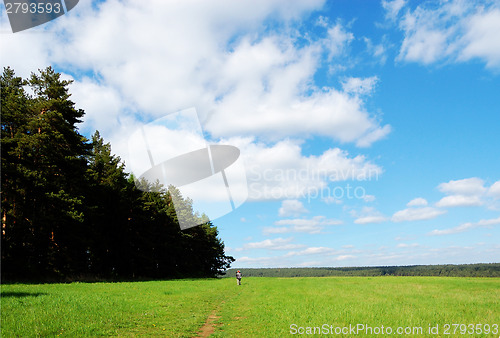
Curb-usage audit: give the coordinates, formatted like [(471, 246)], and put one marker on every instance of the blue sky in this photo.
[(386, 112)]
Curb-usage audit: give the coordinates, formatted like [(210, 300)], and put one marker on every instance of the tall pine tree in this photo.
[(69, 209), (46, 160)]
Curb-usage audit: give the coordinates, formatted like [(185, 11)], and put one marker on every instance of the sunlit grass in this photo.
[(173, 308), (260, 307), (268, 306)]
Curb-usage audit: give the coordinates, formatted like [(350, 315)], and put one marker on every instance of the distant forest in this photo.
[(70, 211), (464, 270)]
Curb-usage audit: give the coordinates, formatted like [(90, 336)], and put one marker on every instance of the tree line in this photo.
[(70, 211), (449, 270)]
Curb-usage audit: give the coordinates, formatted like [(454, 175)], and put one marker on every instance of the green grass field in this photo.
[(260, 307)]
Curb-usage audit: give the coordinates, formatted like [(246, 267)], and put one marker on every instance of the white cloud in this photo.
[(494, 190), (15, 48), (359, 86), (393, 8), (316, 220), (370, 219), (273, 244), (368, 215), (312, 251), (369, 198), (465, 192), (291, 208), (273, 172), (102, 104), (308, 225), (407, 254), (417, 214), (253, 86), (465, 227), (344, 257), (337, 41), (406, 245), (481, 38), (279, 112), (455, 30), (405, 238), (425, 45), (459, 201), (468, 186), (280, 171), (257, 261), (379, 51), (331, 200), (374, 135), (460, 193), (323, 256), (275, 230), (417, 202), (245, 80)]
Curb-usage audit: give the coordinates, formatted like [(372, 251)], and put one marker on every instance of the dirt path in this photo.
[(209, 327)]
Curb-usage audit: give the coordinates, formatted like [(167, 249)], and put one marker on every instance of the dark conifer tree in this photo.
[(47, 158), (17, 231), (70, 210)]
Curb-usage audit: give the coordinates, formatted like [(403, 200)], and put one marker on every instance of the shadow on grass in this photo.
[(21, 294)]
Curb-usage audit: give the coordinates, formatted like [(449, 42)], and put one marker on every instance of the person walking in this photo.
[(238, 277)]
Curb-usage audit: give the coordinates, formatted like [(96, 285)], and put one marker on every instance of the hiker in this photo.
[(238, 277)]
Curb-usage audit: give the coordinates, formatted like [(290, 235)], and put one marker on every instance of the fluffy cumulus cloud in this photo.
[(217, 56), (494, 190), (103, 104), (461, 193), (468, 192), (281, 171), (419, 201), (456, 30), (252, 87), (459, 201), (468, 186), (273, 106)]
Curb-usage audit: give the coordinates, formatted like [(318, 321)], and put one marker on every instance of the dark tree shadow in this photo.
[(21, 294)]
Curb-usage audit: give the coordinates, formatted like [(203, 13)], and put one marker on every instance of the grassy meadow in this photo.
[(260, 307)]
